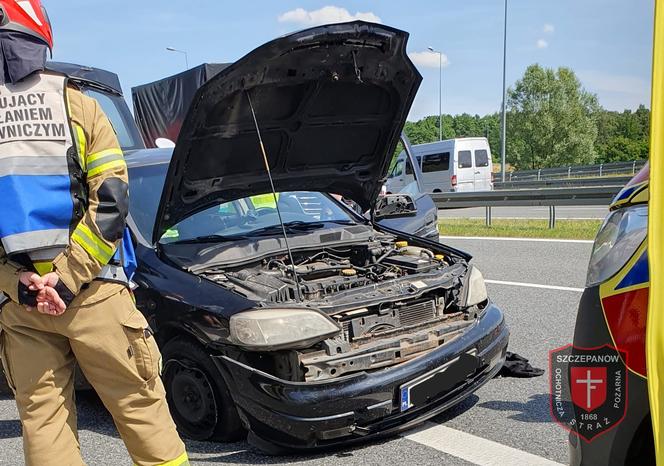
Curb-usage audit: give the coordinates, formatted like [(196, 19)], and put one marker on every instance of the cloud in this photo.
[(617, 91), (325, 15), (604, 82), (428, 59), (548, 28), (542, 44)]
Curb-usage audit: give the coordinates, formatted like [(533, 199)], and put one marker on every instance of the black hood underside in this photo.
[(330, 103)]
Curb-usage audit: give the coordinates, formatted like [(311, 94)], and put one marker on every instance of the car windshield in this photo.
[(250, 216)]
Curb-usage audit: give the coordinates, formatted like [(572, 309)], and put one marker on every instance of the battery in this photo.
[(411, 263)]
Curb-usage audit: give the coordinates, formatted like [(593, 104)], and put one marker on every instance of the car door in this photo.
[(425, 222), (482, 169), (436, 172), (465, 170), (396, 180)]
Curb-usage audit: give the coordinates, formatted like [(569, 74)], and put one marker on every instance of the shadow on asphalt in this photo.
[(536, 409), (10, 429), (457, 410), (93, 416), (243, 453)]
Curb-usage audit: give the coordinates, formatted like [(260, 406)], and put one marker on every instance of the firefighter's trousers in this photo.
[(104, 332)]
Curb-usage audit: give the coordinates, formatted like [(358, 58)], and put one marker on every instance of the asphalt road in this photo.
[(505, 422), (562, 212)]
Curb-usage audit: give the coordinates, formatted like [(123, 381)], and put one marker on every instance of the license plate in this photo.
[(427, 387)]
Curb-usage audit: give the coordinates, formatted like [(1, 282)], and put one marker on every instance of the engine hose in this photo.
[(416, 251), (380, 259)]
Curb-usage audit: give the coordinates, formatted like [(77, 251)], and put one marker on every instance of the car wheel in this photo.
[(197, 395)]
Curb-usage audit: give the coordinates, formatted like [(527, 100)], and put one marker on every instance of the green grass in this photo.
[(521, 228)]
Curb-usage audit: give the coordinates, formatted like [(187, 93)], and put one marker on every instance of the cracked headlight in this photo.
[(621, 234), (475, 288), (269, 329)]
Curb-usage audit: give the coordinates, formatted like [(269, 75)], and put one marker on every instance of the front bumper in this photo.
[(310, 415)]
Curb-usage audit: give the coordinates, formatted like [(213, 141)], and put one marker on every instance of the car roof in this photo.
[(87, 75), (446, 142)]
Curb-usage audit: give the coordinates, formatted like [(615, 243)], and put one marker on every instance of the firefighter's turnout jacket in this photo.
[(63, 207), (63, 185)]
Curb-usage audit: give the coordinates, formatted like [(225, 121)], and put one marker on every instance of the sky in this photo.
[(608, 43)]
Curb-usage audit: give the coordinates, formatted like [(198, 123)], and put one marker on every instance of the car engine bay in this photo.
[(392, 302)]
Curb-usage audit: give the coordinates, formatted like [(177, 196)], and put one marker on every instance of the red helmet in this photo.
[(27, 16)]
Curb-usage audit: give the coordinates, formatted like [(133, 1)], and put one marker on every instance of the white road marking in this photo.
[(535, 285), (497, 238), (474, 449)]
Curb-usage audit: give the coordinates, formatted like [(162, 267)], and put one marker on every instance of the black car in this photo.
[(290, 316)]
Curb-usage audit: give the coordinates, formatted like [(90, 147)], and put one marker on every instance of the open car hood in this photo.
[(330, 102)]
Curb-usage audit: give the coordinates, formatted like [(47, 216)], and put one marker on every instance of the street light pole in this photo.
[(186, 57), (440, 92), (504, 116)]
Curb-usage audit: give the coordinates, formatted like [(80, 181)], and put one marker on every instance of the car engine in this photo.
[(324, 274), (391, 300)]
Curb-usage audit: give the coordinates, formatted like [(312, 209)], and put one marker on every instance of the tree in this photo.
[(622, 149), (551, 120), (457, 126), (623, 136), (422, 131), (426, 129)]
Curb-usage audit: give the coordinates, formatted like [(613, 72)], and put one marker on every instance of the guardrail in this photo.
[(551, 197), (564, 183), (575, 171)]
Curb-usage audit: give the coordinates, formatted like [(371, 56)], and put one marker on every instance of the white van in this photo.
[(462, 164)]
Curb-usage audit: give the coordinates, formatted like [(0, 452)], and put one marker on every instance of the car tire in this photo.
[(197, 395)]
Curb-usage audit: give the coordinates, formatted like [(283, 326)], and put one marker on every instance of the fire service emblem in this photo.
[(588, 389)]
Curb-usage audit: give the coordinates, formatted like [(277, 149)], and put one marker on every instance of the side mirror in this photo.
[(394, 206)]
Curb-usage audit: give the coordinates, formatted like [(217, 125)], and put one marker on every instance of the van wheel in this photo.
[(437, 190), (197, 395)]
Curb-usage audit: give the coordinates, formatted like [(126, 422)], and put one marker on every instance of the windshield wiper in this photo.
[(341, 222), (296, 226), (209, 239)]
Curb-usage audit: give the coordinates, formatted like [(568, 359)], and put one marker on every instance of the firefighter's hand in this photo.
[(50, 279), (29, 286), (49, 300), (31, 280)]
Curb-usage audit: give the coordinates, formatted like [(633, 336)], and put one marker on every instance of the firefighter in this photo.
[(66, 259)]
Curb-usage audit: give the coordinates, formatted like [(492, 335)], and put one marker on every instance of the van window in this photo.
[(481, 158), (436, 162), (409, 169), (397, 170), (465, 159)]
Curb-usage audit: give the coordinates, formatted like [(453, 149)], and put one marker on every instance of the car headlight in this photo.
[(475, 288), (619, 237), (268, 329)]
